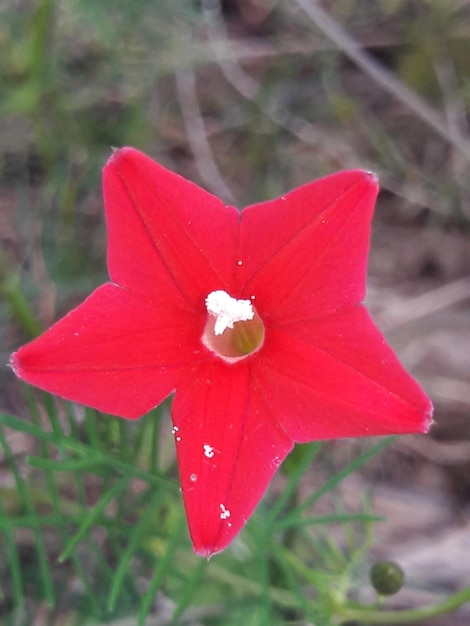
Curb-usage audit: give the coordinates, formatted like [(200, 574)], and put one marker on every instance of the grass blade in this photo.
[(23, 495), (93, 516), (161, 570), (337, 478), (132, 546)]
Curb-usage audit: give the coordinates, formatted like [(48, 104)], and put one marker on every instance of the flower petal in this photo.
[(337, 377), (164, 230), (228, 447), (116, 352), (312, 259)]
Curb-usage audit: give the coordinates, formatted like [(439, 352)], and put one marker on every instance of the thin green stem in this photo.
[(26, 501), (279, 597), (287, 599), (93, 516), (371, 616), (11, 292)]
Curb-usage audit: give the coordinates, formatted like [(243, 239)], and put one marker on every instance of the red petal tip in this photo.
[(371, 177), (206, 553), (428, 419), (115, 154), (14, 364)]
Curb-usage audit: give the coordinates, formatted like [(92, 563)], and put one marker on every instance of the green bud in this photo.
[(386, 577)]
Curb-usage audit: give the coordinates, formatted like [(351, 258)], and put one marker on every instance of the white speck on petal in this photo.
[(193, 478), (224, 513), (178, 439), (227, 310), (175, 429), (208, 451), (239, 262)]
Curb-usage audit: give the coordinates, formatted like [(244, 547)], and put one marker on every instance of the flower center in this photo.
[(233, 329)]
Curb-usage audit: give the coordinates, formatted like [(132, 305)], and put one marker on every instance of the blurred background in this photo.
[(250, 98)]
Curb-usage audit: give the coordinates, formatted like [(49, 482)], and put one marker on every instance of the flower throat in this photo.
[(233, 330)]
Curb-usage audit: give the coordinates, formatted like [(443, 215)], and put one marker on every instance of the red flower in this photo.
[(253, 318)]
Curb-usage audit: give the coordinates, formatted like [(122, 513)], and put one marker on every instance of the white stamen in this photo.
[(208, 451), (224, 513), (227, 310)]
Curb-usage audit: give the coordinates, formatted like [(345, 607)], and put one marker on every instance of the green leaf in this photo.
[(336, 479), (309, 453), (24, 497), (335, 518), (22, 426), (132, 545), (161, 570), (93, 516)]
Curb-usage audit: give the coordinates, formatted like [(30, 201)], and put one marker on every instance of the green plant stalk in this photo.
[(132, 546), (161, 568), (287, 599), (86, 452), (61, 520), (10, 290), (24, 498), (279, 597), (372, 616), (13, 560), (92, 516)]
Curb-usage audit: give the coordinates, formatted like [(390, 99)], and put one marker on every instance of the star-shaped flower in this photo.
[(253, 319)]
